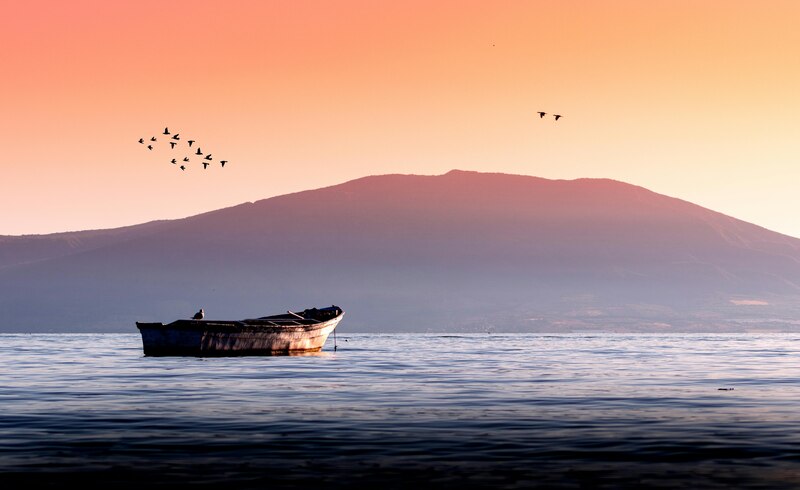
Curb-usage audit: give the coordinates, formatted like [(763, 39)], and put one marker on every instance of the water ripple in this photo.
[(463, 411)]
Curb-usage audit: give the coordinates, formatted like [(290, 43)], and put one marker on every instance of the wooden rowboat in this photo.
[(289, 333)]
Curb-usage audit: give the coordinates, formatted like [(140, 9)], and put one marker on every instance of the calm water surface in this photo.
[(402, 411)]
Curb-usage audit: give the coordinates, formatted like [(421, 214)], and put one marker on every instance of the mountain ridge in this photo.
[(460, 250)]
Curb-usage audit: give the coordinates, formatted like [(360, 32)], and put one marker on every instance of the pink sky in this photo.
[(694, 99)]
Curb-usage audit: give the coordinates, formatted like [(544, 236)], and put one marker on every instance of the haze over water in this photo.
[(401, 410)]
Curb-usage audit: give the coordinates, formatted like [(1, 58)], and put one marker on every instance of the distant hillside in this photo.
[(26, 249), (463, 251)]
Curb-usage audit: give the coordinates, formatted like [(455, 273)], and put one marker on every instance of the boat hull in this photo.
[(210, 339)]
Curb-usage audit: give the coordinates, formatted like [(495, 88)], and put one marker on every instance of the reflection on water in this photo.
[(455, 411)]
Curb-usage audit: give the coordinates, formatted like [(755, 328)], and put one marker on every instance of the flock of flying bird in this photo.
[(542, 114), (206, 161), (174, 140)]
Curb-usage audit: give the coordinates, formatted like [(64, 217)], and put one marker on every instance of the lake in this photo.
[(406, 410)]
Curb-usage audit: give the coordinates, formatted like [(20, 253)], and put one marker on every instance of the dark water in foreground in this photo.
[(405, 411)]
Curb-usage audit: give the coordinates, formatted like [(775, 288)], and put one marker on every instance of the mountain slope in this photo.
[(27, 249), (460, 251)]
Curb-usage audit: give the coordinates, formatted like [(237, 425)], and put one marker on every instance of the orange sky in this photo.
[(694, 99)]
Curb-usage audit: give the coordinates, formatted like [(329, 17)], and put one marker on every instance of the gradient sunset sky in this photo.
[(695, 99)]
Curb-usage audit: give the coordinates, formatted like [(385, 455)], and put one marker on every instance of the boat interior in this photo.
[(308, 316)]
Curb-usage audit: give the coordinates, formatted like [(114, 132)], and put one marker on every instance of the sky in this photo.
[(696, 99)]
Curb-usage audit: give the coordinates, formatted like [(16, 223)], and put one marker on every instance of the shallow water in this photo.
[(400, 411)]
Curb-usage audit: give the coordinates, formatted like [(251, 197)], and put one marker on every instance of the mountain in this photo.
[(464, 251), (19, 250)]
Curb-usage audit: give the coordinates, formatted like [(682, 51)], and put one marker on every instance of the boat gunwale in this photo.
[(255, 325)]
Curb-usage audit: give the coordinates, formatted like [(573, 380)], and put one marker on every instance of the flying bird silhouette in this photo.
[(166, 131), (153, 138), (208, 157), (185, 159), (223, 162), (172, 144), (183, 168), (174, 161), (149, 147), (190, 143), (205, 165), (176, 136), (542, 114), (198, 152), (557, 116), (141, 140)]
